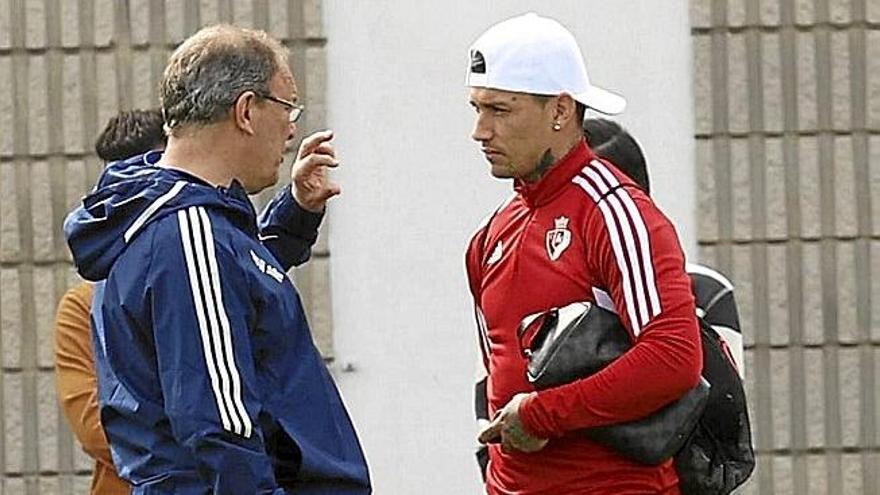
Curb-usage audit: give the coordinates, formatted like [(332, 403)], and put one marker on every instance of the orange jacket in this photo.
[(78, 386)]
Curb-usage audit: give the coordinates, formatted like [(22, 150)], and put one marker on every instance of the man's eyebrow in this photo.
[(492, 104), (504, 105)]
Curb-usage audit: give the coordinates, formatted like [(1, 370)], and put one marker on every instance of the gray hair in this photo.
[(210, 70)]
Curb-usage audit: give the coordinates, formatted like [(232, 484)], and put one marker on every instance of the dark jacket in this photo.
[(209, 381)]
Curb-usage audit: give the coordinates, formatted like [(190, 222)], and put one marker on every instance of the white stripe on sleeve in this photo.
[(213, 322), (148, 212), (642, 231), (199, 305), (611, 225), (634, 263), (211, 310), (225, 329)]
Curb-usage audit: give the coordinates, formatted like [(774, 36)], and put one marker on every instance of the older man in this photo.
[(210, 381), (575, 229)]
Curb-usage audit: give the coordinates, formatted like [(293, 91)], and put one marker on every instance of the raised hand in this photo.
[(310, 184)]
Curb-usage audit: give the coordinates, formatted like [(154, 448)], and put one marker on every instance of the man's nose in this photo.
[(291, 131), (482, 130)]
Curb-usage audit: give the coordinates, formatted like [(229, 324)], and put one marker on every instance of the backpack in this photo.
[(718, 456)]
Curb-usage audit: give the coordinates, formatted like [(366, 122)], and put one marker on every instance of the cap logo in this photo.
[(478, 63)]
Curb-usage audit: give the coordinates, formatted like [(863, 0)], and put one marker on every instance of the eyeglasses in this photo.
[(295, 109)]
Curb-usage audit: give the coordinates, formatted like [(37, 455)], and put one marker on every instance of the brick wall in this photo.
[(788, 159), (65, 68)]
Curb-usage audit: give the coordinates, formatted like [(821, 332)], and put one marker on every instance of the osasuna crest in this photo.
[(558, 238)]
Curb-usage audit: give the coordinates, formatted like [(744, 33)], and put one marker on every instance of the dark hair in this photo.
[(579, 108), (612, 142), (130, 133)]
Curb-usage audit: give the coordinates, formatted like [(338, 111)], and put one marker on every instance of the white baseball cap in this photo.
[(536, 55)]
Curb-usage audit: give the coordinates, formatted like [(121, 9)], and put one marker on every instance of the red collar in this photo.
[(560, 173)]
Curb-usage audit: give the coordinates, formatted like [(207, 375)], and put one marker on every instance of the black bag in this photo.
[(718, 456), (578, 340)]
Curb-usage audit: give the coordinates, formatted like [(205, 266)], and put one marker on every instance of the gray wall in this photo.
[(788, 163), (415, 187)]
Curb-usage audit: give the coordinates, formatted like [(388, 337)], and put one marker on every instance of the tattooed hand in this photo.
[(508, 428)]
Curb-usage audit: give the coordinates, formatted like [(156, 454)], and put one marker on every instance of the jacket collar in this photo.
[(234, 194), (560, 173)]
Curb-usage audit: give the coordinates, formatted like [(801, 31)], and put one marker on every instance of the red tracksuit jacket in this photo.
[(584, 232)]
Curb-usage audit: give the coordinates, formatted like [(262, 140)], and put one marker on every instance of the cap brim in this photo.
[(602, 101)]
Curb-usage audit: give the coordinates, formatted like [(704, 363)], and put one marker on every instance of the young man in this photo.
[(209, 379), (713, 292), (126, 134), (574, 229)]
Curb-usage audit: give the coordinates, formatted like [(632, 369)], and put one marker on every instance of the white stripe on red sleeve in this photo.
[(642, 231), (613, 234), (629, 240), (630, 244)]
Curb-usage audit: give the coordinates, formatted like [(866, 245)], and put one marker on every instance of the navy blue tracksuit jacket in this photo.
[(209, 380)]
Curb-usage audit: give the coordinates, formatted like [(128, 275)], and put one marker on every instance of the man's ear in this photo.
[(242, 112), (566, 109)]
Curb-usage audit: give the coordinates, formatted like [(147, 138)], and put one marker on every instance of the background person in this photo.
[(128, 133)]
